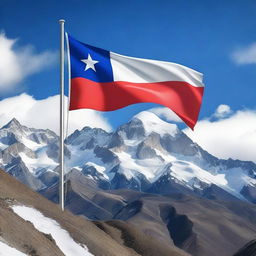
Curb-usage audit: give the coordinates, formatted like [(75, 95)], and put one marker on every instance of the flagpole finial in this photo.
[(61, 21)]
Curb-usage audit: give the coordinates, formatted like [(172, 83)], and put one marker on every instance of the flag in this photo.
[(106, 81)]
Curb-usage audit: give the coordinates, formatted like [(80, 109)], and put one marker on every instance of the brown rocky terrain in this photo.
[(102, 239)]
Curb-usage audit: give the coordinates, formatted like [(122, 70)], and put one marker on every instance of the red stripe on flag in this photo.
[(181, 97)]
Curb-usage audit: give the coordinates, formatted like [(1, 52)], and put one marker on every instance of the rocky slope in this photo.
[(23, 236)]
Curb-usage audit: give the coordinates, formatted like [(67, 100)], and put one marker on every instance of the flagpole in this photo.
[(61, 152)]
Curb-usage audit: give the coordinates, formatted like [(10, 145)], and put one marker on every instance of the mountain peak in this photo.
[(152, 123), (13, 123)]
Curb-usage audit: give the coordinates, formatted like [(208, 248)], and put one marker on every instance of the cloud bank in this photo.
[(16, 63), (232, 136), (45, 114), (246, 55)]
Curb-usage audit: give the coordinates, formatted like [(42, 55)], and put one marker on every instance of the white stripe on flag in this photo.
[(136, 70)]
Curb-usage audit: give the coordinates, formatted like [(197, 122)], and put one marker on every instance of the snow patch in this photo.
[(3, 146), (31, 144), (43, 161), (148, 167), (81, 157), (6, 250), (131, 143), (153, 123), (49, 226), (101, 169)]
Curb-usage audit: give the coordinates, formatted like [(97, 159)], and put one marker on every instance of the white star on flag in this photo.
[(89, 63)]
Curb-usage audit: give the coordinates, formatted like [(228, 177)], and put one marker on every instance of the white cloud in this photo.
[(222, 111), (45, 114), (166, 114), (16, 63), (246, 55), (233, 136)]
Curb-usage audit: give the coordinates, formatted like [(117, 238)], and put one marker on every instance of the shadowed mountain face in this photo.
[(180, 227), (148, 175), (247, 250)]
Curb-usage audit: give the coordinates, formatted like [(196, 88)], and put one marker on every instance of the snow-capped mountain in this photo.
[(29, 154), (146, 154), (149, 154)]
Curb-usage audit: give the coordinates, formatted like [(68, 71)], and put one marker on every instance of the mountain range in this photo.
[(147, 154), (147, 173)]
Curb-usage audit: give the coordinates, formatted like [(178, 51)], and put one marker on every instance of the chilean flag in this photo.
[(106, 81)]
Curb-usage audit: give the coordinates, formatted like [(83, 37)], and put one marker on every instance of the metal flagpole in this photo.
[(61, 152)]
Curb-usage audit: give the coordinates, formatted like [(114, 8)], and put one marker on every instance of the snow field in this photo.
[(49, 226), (6, 250)]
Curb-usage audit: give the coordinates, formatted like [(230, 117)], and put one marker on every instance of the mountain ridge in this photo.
[(140, 155)]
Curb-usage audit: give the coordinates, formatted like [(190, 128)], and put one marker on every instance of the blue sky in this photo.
[(202, 35)]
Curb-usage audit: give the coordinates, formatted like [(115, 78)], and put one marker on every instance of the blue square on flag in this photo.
[(89, 62)]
